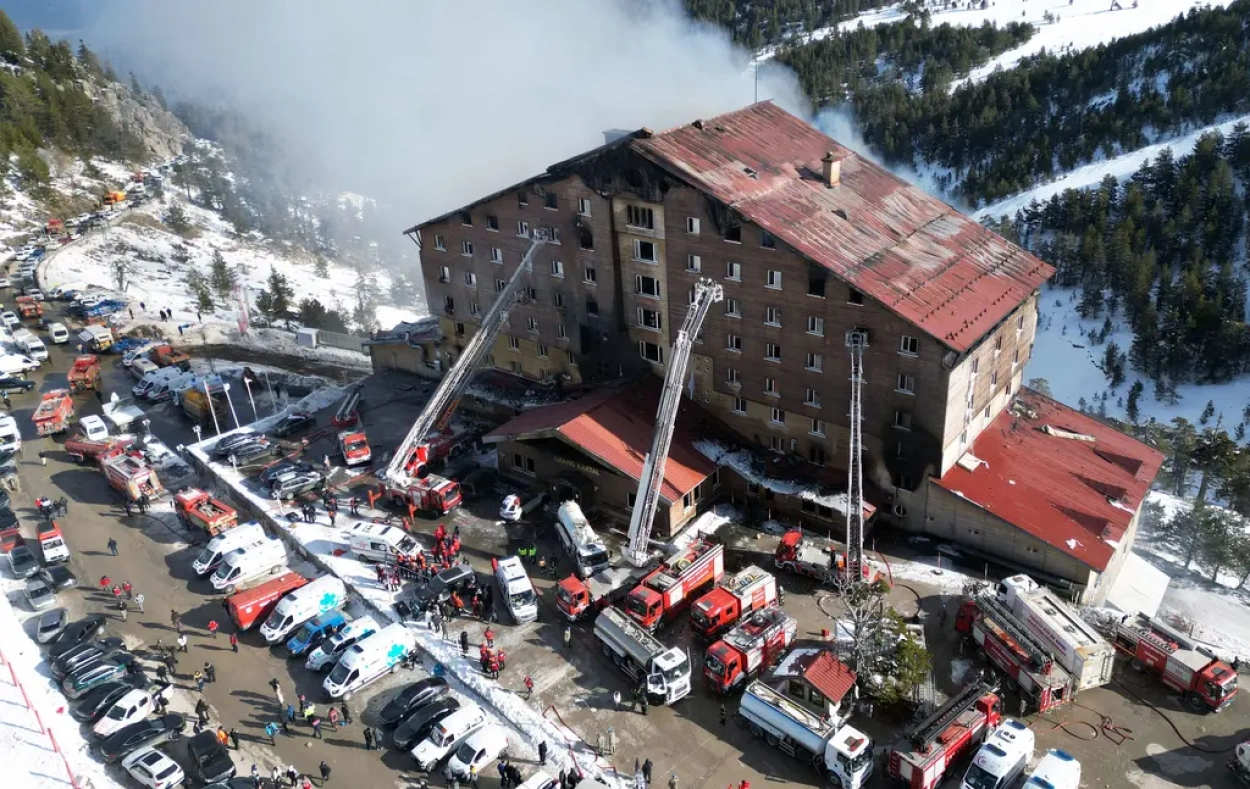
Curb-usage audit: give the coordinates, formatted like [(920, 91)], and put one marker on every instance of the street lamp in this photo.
[(247, 384), (226, 388)]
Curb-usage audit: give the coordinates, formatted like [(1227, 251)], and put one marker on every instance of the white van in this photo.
[(245, 564), (449, 733), (32, 345), (1002, 758), (140, 352), (367, 660), (58, 333), (1056, 770), (240, 536), (324, 594), (140, 368), (10, 435), (377, 542), (164, 388), (151, 379), (14, 363), (327, 654), (518, 592)]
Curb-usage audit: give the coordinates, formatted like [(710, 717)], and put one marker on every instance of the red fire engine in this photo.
[(431, 494), (1204, 680), (54, 413), (748, 648), (354, 447), (952, 731), (197, 510), (85, 373), (666, 591), (131, 474), (749, 590), (1010, 647)]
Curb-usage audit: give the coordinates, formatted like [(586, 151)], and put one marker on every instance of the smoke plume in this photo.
[(425, 106)]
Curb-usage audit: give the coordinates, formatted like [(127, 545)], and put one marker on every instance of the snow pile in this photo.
[(30, 759), (932, 571), (331, 546), (743, 462)]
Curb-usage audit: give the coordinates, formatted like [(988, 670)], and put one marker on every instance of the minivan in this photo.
[(140, 368), (1002, 758), (150, 380), (1057, 770), (329, 651), (369, 659), (212, 554), (58, 333), (378, 542), (518, 592), (324, 594), (314, 631), (450, 732), (241, 565)]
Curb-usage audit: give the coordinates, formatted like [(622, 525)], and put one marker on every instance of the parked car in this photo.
[(421, 721), (225, 446), (75, 633), (87, 677), (480, 749), (10, 319), (39, 595), (79, 655), (130, 708), (210, 760), (284, 468), (101, 698), (51, 624), (59, 577), (253, 453), (440, 587), (150, 733), (285, 488), (418, 694), (21, 560), (93, 427), (291, 424), (153, 769), (11, 384)]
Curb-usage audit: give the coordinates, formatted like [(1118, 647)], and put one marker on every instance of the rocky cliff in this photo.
[(162, 133)]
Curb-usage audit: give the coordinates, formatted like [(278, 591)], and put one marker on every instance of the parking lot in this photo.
[(574, 687)]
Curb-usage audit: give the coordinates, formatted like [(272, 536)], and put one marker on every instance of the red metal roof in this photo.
[(833, 678), (616, 429), (921, 258), (1059, 475)]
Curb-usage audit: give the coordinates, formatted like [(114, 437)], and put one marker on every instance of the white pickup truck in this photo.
[(122, 414)]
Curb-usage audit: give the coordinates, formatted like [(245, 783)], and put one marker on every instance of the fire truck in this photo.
[(354, 447), (84, 374), (198, 510), (1206, 682), (81, 448), (167, 356), (54, 413), (799, 554), (749, 590), (430, 494), (951, 732), (1075, 645), (1016, 652), (28, 307), (667, 590), (129, 473), (747, 649)]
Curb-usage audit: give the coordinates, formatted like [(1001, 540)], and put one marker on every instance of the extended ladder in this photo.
[(929, 729), (706, 292), (454, 384), (1039, 655)]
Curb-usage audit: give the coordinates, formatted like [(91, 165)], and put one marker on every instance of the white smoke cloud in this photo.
[(425, 106)]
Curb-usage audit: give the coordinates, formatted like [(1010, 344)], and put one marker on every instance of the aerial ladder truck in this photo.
[(407, 479), (605, 586)]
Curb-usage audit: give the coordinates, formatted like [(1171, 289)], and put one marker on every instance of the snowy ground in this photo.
[(1218, 611), (32, 761), (1070, 363), (1122, 167), (330, 545), (1081, 23)]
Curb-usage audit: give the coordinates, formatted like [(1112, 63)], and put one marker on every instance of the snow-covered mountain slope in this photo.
[(1091, 174), (1078, 24)]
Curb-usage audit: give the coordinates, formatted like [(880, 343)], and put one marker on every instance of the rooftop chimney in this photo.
[(831, 169)]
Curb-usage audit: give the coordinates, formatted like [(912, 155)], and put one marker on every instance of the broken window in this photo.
[(638, 216), (651, 352), (592, 307), (466, 219), (550, 200), (733, 232), (492, 222)]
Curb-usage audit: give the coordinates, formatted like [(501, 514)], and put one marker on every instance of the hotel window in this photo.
[(812, 399), (492, 223), (649, 319), (514, 344), (694, 264), (855, 297), (532, 323), (470, 279), (557, 268), (637, 216), (439, 243), (651, 352), (906, 383), (583, 206), (816, 326), (740, 405), (466, 248), (767, 241), (731, 376), (645, 251), (692, 225), (733, 271), (817, 428), (496, 255), (772, 316), (731, 309), (589, 275), (466, 219), (543, 351), (647, 286), (815, 362), (523, 229), (770, 387), (733, 343), (909, 346), (902, 420), (772, 352), (773, 280), (777, 443), (779, 416)]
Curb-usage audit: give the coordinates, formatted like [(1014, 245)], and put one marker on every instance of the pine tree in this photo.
[(321, 266), (221, 277), (12, 47), (1207, 413), (275, 301), (200, 289), (176, 219), (1131, 408)]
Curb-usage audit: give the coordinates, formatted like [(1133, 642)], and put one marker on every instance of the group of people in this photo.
[(49, 508)]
